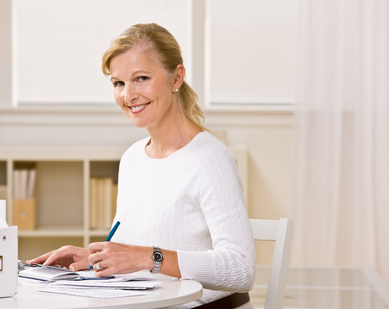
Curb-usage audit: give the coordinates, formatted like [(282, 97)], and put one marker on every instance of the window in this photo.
[(237, 53), (250, 50), (59, 44)]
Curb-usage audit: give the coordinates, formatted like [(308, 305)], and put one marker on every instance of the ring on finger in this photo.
[(98, 267)]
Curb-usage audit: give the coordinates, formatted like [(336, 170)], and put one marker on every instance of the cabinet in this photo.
[(62, 195)]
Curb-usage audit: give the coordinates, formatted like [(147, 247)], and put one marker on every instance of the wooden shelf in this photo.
[(99, 233), (54, 231)]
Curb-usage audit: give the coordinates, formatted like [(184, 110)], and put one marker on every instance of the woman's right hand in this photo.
[(73, 258)]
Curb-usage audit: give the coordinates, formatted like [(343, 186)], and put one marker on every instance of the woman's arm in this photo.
[(117, 258), (230, 265)]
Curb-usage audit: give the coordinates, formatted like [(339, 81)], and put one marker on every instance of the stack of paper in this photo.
[(47, 273), (85, 283), (108, 284), (113, 287), (95, 293)]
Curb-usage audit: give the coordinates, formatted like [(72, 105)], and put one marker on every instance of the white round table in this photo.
[(168, 293)]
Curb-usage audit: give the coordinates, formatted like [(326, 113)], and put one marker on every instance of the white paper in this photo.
[(95, 293), (142, 275), (107, 284), (47, 273), (122, 285)]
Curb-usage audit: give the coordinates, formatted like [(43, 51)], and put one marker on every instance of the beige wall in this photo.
[(268, 137)]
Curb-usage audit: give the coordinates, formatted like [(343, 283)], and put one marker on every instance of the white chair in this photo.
[(281, 232)]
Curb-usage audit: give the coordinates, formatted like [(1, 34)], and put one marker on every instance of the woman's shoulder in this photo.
[(206, 140), (206, 146), (213, 161), (136, 147)]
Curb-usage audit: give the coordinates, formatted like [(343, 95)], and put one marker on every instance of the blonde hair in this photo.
[(167, 50)]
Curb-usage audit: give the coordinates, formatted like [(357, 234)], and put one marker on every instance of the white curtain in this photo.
[(341, 208)]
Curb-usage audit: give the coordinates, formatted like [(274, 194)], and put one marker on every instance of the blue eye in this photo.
[(142, 78), (118, 84)]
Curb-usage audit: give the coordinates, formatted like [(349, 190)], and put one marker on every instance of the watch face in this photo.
[(157, 256)]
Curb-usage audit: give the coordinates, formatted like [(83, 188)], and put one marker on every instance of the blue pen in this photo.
[(111, 233)]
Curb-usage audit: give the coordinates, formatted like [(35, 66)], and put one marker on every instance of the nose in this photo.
[(130, 94)]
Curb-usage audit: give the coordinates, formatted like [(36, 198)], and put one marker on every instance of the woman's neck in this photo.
[(166, 141)]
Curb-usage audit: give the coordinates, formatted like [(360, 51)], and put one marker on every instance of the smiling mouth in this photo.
[(136, 109)]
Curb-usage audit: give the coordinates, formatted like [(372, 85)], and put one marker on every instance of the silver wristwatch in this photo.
[(157, 258)]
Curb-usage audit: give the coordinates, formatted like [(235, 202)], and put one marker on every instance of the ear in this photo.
[(179, 76)]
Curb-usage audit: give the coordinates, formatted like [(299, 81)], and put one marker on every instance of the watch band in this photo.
[(157, 258)]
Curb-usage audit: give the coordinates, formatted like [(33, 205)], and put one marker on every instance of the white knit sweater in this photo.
[(190, 202)]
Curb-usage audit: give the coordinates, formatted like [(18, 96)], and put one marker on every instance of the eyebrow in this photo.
[(133, 74)]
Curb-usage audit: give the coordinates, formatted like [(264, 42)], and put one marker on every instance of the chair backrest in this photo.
[(281, 232)]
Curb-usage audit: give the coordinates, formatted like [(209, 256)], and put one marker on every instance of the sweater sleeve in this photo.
[(230, 264)]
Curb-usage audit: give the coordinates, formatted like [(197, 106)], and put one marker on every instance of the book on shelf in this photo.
[(3, 192), (24, 181), (24, 184), (102, 202)]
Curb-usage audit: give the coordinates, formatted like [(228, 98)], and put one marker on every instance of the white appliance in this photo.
[(8, 255)]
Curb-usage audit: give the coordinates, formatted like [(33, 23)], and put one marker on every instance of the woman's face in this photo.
[(142, 87)]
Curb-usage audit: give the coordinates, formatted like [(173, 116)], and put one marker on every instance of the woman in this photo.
[(178, 189)]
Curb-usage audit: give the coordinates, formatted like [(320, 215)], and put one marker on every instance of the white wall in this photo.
[(267, 135)]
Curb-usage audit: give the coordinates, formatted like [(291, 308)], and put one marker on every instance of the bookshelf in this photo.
[(62, 193)]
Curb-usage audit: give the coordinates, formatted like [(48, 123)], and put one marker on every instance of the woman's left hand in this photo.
[(109, 258)]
